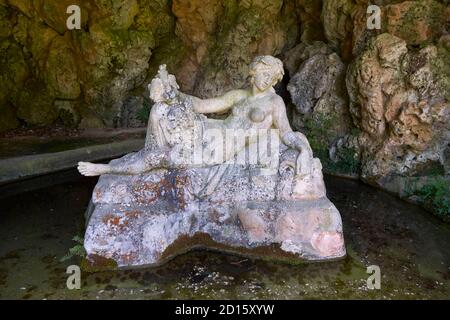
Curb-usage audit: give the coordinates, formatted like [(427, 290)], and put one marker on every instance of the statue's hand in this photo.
[(298, 141), (291, 140)]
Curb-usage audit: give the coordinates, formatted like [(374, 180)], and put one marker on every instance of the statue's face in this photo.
[(262, 76)]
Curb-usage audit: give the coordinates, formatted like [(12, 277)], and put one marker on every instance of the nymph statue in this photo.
[(256, 108), (196, 177)]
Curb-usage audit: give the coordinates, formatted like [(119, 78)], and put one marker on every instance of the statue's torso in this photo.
[(251, 113)]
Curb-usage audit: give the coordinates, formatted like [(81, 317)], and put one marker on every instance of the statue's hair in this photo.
[(168, 82), (274, 63)]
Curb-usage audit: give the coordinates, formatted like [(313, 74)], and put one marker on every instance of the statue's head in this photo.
[(266, 71), (164, 87)]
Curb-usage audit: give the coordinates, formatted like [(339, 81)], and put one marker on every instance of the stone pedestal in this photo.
[(145, 219)]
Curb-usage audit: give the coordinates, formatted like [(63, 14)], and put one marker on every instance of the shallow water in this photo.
[(411, 247)]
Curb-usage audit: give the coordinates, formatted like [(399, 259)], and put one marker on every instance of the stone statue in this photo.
[(207, 182), (256, 108)]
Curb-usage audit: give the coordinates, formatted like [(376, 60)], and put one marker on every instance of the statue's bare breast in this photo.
[(252, 114)]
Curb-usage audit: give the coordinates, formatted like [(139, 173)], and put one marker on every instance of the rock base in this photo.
[(149, 235), (146, 219)]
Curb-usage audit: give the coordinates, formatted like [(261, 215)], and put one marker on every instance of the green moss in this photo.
[(144, 113), (62, 75), (441, 70), (8, 119), (68, 118), (155, 16), (34, 105), (91, 263), (95, 263), (114, 45), (435, 195), (238, 29), (347, 163), (320, 132), (14, 68), (417, 14), (428, 169), (5, 24)]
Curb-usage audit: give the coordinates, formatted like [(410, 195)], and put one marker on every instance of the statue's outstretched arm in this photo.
[(294, 140), (218, 104)]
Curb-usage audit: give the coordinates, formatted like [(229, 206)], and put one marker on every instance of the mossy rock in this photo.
[(416, 22), (90, 120), (96, 263), (55, 15), (432, 192), (68, 113), (5, 24), (169, 52), (14, 68), (62, 75), (39, 38), (441, 67), (35, 105), (157, 17), (8, 118)]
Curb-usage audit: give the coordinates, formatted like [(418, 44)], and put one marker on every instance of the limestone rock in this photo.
[(6, 25), (130, 112), (318, 91), (399, 101), (15, 70), (336, 15), (96, 67), (68, 112), (35, 105), (416, 22), (224, 36), (53, 13), (128, 52), (62, 75), (121, 43), (309, 13), (345, 25), (9, 118), (302, 52), (90, 120)]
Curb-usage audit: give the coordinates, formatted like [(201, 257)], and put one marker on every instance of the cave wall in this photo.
[(375, 104), (97, 76)]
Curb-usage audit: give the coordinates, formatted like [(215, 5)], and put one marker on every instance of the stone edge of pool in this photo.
[(23, 167)]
